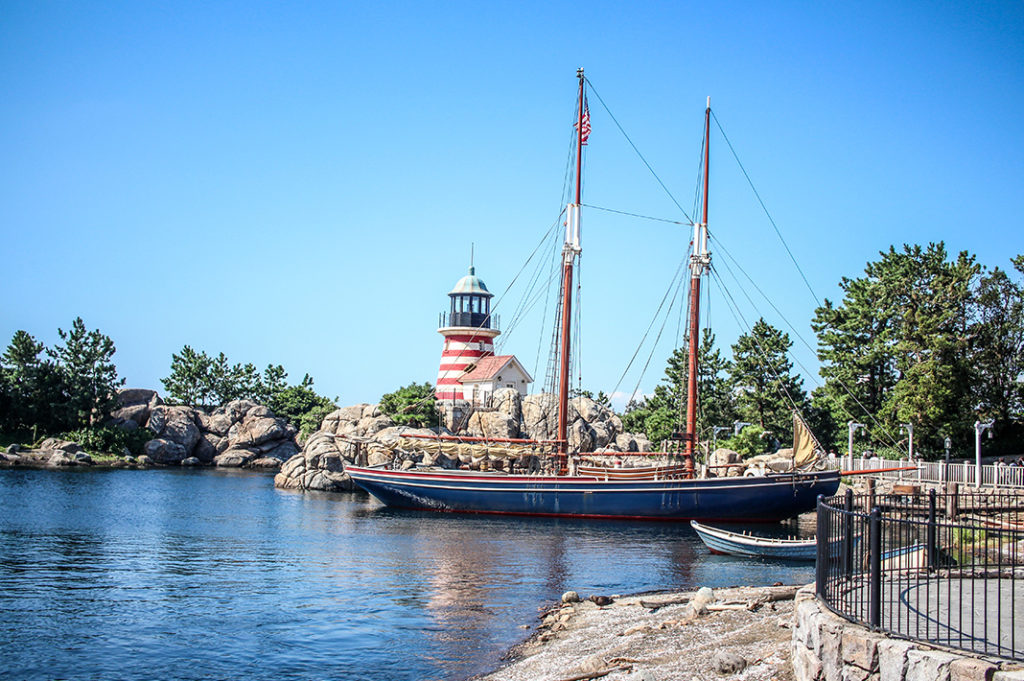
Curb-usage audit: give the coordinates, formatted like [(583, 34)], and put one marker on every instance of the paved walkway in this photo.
[(984, 616)]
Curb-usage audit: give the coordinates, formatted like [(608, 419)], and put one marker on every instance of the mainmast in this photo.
[(700, 260), (570, 250)]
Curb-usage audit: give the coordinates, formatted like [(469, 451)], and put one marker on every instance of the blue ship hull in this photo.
[(754, 499)]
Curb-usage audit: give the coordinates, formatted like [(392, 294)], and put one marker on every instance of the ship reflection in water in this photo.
[(190, 575)]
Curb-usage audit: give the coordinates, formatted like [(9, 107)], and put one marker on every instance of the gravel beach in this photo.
[(736, 633)]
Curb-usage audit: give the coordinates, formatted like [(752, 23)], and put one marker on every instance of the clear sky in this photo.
[(299, 183)]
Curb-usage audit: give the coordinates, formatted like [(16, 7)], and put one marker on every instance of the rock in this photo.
[(145, 461), (265, 462), (161, 450), (257, 430), (236, 457), (282, 451), (589, 410), (259, 411), (571, 597), (509, 402), (704, 596), (492, 424), (13, 448), (603, 434), (625, 442), (176, 424), (540, 416), (726, 662), (56, 444), (722, 457), (581, 436), (601, 601), (371, 425), (191, 461), (970, 669), (218, 424), (206, 447), (60, 458), (82, 458)]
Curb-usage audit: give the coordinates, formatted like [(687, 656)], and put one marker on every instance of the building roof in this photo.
[(489, 367), (471, 284)]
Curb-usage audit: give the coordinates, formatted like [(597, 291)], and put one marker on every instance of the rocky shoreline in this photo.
[(701, 635)]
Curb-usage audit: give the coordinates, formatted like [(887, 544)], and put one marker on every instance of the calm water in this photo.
[(207, 574)]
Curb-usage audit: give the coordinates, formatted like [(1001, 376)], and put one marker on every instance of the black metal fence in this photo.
[(947, 569)]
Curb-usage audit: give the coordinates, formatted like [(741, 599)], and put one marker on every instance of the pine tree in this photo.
[(84, 359), (766, 389)]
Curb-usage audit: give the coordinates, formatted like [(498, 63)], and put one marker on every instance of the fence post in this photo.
[(951, 501), (820, 565), (847, 554), (871, 494), (875, 574), (932, 548)]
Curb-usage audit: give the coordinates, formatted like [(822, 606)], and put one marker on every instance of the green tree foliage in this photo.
[(298, 404), (33, 390), (896, 349), (664, 413), (997, 341), (84, 360), (767, 391), (412, 405), (198, 380), (750, 441)]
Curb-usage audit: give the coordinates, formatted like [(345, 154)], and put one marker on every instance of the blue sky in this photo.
[(300, 183)]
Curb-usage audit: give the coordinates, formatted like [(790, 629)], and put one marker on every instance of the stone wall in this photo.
[(826, 647)]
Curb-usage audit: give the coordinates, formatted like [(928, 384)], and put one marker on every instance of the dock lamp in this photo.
[(737, 426), (948, 444), (714, 436), (909, 427), (980, 428), (852, 428)]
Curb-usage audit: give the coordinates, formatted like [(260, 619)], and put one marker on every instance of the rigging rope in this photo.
[(615, 120), (765, 209)]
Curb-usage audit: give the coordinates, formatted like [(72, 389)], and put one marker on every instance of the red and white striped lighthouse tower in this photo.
[(469, 331)]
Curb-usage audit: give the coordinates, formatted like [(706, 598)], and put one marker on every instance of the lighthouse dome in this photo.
[(471, 284)]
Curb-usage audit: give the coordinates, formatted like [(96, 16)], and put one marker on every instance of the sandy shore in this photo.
[(735, 633)]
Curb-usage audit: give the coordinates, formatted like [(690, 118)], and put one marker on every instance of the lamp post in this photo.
[(852, 428), (948, 443), (714, 436), (980, 428), (737, 426), (909, 427)]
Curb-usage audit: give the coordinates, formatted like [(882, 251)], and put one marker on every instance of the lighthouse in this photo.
[(469, 331)]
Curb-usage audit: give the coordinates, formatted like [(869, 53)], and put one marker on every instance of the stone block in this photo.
[(831, 650), (852, 673), (892, 659), (806, 665), (971, 669), (928, 665), (860, 648), (1009, 675)]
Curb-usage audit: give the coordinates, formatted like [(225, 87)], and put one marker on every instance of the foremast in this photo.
[(570, 253), (700, 262)]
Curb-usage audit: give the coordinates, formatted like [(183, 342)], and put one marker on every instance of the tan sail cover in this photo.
[(448, 448), (804, 443)]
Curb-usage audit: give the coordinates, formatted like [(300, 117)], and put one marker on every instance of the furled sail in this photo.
[(805, 445)]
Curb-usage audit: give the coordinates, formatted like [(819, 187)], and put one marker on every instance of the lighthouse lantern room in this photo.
[(469, 330)]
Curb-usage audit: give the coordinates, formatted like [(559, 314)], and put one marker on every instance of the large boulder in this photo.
[(581, 436), (134, 406), (256, 429), (540, 416), (236, 457), (319, 466), (589, 410), (175, 424), (162, 450), (509, 402), (492, 424), (57, 444)]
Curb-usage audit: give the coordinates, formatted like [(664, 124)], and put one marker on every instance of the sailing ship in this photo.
[(669, 493)]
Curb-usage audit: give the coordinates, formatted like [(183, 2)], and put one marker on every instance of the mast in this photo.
[(699, 262), (570, 250)]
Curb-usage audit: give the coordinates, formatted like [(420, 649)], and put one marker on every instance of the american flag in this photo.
[(586, 122)]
